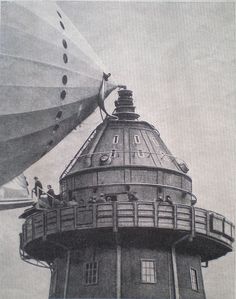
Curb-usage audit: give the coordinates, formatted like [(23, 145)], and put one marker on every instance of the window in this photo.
[(64, 43), (148, 271), (194, 279), (91, 273), (64, 79), (136, 139), (63, 94), (59, 14), (62, 25), (65, 58), (115, 139), (59, 114)]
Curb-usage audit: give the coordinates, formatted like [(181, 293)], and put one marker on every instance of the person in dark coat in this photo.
[(51, 195), (131, 194), (37, 187)]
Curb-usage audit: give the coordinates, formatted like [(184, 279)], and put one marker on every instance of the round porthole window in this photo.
[(59, 14), (59, 114), (65, 58), (64, 43), (62, 25), (63, 94), (64, 80)]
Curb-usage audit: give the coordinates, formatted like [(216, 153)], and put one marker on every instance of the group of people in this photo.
[(49, 199), (100, 199), (44, 196), (109, 198)]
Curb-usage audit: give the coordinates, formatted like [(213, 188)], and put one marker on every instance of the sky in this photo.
[(179, 60)]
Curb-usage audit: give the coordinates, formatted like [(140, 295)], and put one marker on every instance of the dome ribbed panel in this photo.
[(126, 143)]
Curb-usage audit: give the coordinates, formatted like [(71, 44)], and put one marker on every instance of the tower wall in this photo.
[(184, 264), (119, 274)]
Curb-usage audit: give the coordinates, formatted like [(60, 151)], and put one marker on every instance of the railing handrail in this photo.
[(162, 155), (159, 204), (74, 159), (45, 192), (136, 215)]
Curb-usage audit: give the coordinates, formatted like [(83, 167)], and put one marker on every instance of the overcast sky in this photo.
[(178, 58)]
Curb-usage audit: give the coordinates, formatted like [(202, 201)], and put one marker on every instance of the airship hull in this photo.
[(50, 82)]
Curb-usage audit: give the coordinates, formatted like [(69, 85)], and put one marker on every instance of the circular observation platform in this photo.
[(46, 233)]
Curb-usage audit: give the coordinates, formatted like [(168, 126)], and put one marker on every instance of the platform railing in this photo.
[(118, 215), (73, 161)]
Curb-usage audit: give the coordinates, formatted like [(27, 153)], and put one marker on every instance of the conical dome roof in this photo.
[(126, 142), (128, 151)]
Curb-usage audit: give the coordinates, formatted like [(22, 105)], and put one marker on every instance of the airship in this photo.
[(15, 194), (51, 80)]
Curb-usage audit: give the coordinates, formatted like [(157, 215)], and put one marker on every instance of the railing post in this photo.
[(58, 214), (155, 214), (208, 223), (75, 216), (33, 233), (115, 220), (94, 207), (135, 213), (175, 216), (44, 226), (24, 233)]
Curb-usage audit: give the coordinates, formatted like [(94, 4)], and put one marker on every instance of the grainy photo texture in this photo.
[(117, 150)]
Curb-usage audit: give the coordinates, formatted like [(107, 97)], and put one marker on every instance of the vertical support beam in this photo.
[(67, 274), (193, 222), (118, 271), (174, 265), (175, 273)]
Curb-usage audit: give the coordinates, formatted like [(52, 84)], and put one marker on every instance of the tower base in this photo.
[(121, 271)]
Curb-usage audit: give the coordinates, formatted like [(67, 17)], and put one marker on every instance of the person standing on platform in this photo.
[(38, 187), (51, 195)]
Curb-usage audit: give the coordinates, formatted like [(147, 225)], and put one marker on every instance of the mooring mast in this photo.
[(130, 228)]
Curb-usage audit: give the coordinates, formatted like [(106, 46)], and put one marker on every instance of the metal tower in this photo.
[(129, 227)]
